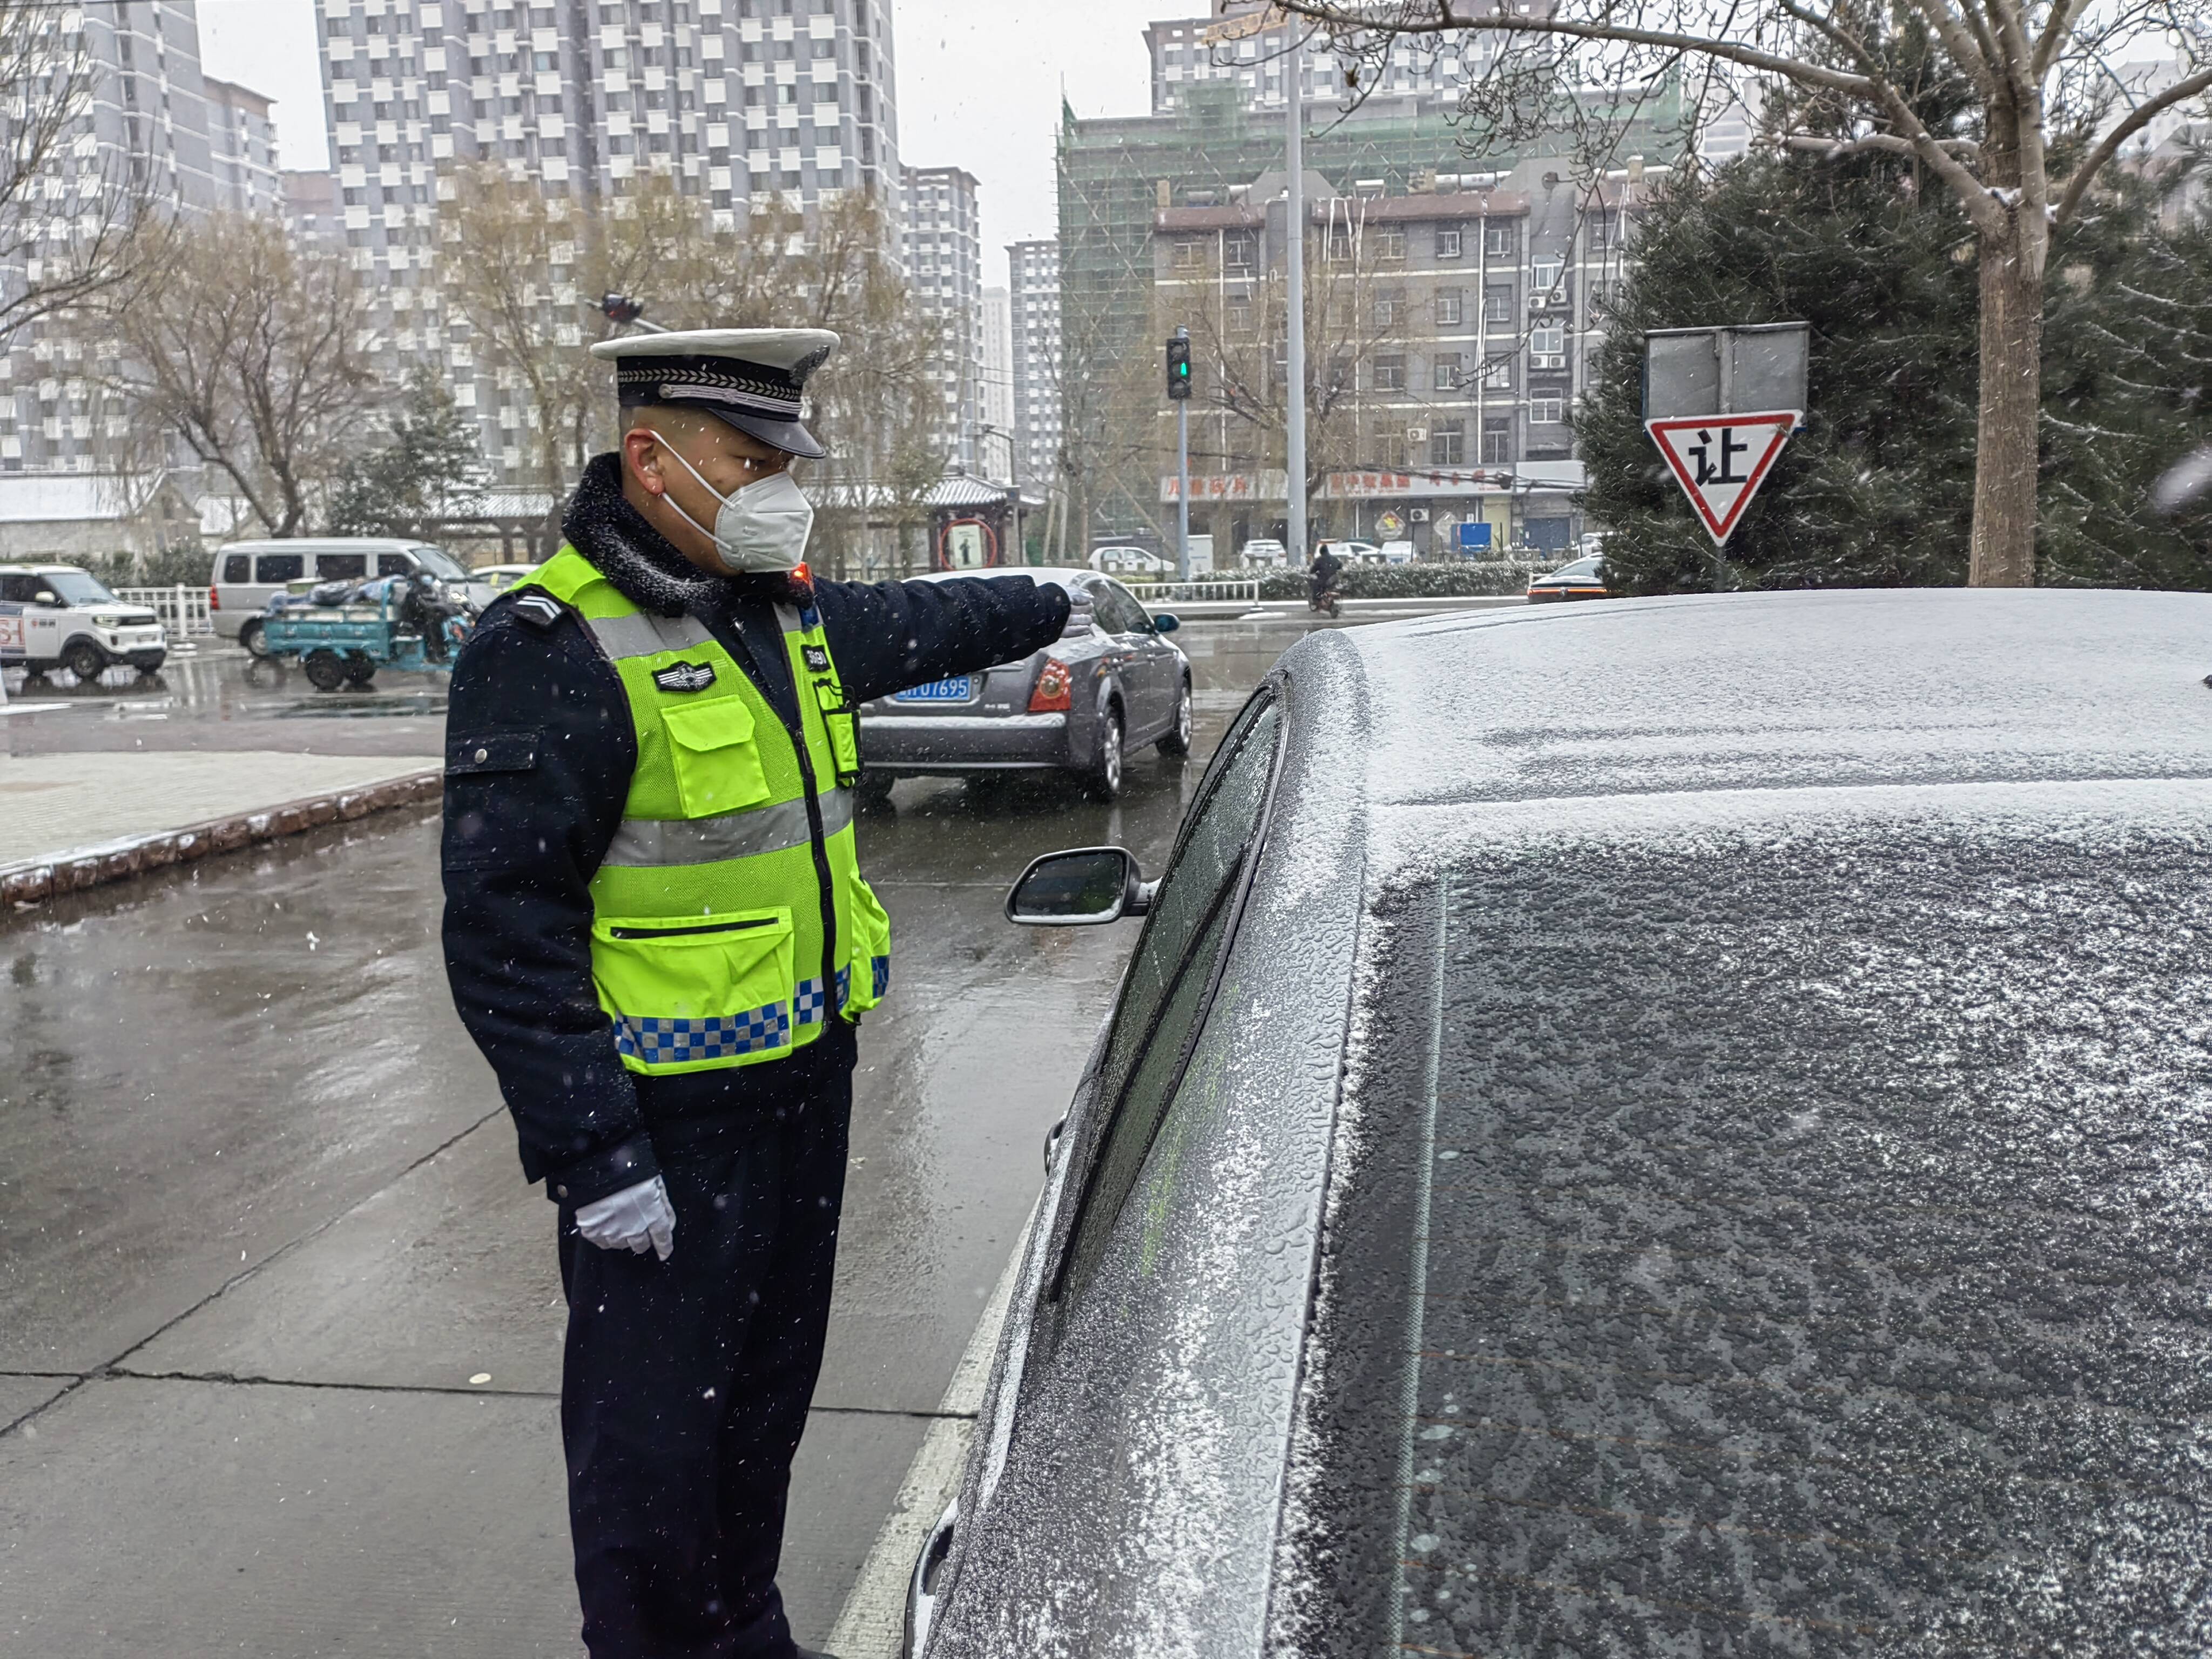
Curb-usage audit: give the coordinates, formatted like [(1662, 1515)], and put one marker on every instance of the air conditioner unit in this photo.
[(1418, 516), (1548, 359), (1417, 435)]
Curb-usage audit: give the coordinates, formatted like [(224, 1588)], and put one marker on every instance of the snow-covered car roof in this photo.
[(1760, 1178)]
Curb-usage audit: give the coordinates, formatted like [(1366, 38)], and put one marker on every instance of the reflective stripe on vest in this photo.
[(729, 909)]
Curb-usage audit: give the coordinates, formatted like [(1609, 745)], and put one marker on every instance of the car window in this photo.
[(279, 567), (341, 567), (1163, 993), (441, 564), (238, 568), (18, 590), (393, 564), (1782, 1282), (1135, 618)]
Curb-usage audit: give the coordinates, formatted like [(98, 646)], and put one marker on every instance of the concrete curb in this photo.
[(27, 881)]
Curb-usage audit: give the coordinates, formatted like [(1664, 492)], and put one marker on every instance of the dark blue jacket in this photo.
[(527, 826)]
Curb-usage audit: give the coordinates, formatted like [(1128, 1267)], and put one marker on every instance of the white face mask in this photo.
[(761, 528)]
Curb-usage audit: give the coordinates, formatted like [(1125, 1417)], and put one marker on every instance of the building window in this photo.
[(1448, 307), (1497, 303), (1447, 237), (1186, 254), (1498, 241), (1548, 339), (1338, 246), (1390, 374), (1390, 244), (1238, 316), (1447, 371), (1544, 273), (1387, 302), (1238, 250), (1497, 440), (1546, 411), (1448, 444)]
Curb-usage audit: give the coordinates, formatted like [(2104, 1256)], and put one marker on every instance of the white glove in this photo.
[(631, 1219)]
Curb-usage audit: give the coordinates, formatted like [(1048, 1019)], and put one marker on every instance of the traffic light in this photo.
[(1178, 369)]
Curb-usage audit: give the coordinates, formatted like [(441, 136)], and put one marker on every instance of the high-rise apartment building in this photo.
[(1033, 307), (734, 101), (1237, 47), (944, 245), (997, 448), (143, 137), (242, 149)]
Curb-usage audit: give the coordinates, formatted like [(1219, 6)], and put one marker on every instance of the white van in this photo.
[(56, 615), (247, 575)]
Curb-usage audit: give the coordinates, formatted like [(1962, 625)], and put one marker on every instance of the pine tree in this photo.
[(403, 487), (1878, 490)]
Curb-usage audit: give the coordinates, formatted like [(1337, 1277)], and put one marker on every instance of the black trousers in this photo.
[(685, 1386)]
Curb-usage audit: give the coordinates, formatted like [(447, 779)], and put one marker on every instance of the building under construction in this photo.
[(1453, 306)]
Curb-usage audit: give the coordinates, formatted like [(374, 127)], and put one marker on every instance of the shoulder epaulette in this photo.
[(541, 611)]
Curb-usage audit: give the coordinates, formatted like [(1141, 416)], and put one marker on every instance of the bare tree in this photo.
[(250, 352), (1358, 313), (875, 402), (71, 213), (519, 265), (2030, 136)]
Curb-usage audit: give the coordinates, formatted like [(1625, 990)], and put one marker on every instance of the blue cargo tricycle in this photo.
[(344, 643)]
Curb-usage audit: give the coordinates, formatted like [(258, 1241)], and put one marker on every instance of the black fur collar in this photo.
[(602, 526)]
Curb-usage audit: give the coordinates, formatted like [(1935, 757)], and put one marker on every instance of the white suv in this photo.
[(57, 616)]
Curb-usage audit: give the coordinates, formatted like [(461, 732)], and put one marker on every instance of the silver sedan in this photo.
[(1112, 682)]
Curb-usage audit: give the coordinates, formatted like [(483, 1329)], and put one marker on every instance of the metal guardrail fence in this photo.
[(183, 611), (1247, 592)]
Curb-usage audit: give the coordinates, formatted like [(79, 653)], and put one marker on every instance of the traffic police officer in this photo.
[(657, 931)]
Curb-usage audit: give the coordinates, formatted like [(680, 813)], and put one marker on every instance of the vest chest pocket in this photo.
[(691, 991), (716, 761)]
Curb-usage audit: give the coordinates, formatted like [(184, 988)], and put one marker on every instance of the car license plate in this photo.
[(959, 689)]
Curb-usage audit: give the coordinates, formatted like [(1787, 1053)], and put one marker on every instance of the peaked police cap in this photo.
[(750, 378)]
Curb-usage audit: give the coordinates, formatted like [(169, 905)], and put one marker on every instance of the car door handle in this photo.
[(922, 1588)]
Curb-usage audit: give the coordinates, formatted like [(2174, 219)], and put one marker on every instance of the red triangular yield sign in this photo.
[(1721, 459)]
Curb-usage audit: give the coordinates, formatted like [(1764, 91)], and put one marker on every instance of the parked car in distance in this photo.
[(1398, 552), (1263, 551), (58, 615), (500, 577), (246, 575), (1112, 682), (1130, 562), (1728, 1185), (1583, 579)]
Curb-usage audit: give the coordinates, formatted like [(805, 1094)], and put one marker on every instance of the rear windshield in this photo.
[(1798, 1252)]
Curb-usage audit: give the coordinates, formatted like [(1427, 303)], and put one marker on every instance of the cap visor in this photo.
[(788, 435)]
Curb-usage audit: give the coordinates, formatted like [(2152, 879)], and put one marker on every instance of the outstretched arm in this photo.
[(890, 636)]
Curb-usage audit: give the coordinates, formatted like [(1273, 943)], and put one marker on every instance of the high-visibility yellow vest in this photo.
[(729, 908)]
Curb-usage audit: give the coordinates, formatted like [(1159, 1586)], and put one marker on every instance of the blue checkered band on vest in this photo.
[(672, 1042)]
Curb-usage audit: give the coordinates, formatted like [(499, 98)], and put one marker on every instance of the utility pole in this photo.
[(1294, 216), (1179, 394)]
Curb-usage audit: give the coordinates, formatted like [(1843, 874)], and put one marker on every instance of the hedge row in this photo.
[(1409, 582)]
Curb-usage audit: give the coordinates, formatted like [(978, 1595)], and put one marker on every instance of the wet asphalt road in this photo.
[(262, 1225)]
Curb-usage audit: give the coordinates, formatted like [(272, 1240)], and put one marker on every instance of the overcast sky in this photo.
[(979, 84)]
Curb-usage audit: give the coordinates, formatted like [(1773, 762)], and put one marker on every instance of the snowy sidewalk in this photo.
[(72, 821)]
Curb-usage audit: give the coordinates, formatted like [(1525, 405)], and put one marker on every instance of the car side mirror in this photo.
[(45, 596), (1083, 887), (1166, 622)]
